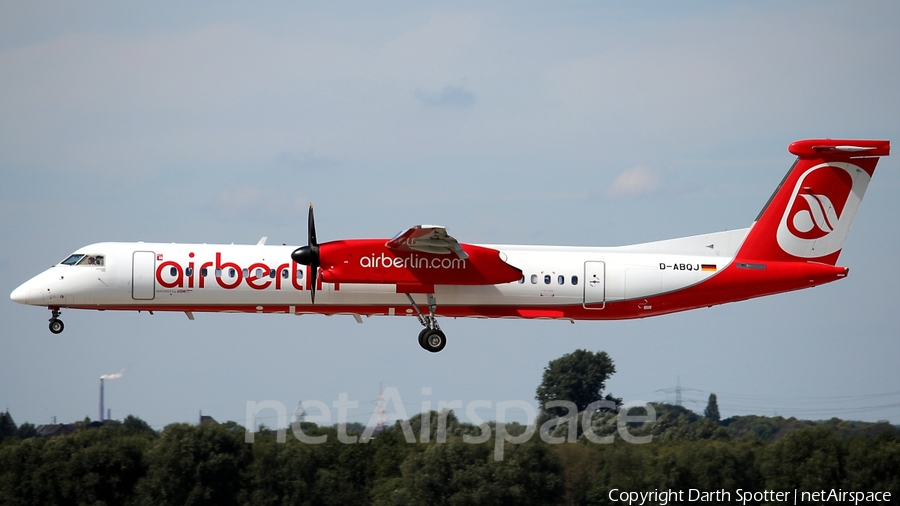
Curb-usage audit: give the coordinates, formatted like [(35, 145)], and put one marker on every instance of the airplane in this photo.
[(794, 243)]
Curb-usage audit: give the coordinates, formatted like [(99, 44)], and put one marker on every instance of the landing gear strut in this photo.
[(431, 338), (56, 325)]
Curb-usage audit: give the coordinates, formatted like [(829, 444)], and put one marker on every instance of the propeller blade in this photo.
[(309, 254), (311, 228)]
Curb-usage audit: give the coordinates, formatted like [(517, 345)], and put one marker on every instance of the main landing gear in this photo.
[(431, 338), (56, 325)]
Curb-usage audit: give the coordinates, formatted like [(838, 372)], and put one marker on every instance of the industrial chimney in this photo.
[(106, 377)]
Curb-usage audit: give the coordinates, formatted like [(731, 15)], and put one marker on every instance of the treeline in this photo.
[(129, 463)]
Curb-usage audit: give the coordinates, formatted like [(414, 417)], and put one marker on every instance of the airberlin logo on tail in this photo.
[(822, 207), (819, 218)]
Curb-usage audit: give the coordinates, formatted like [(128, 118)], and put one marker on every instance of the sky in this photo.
[(568, 123)]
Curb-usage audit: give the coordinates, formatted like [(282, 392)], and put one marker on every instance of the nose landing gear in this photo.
[(431, 338), (56, 325)]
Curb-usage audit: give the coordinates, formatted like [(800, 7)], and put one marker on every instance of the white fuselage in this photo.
[(260, 278)]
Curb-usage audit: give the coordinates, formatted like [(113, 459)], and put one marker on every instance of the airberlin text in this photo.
[(261, 276), (411, 262), (229, 275)]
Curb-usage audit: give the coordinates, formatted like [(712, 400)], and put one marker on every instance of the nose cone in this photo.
[(20, 294), (40, 290), (29, 292)]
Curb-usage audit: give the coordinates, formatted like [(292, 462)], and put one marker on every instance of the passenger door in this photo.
[(143, 275)]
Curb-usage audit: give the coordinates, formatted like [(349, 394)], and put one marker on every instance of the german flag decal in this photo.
[(708, 267)]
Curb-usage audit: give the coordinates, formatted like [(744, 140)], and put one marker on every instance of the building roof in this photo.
[(54, 429)]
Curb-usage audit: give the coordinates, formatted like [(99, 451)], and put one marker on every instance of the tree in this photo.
[(26, 430), (97, 466), (461, 473), (577, 377), (7, 426), (194, 465), (807, 459), (712, 409), (134, 425)]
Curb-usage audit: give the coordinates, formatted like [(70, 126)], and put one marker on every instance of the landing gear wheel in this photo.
[(56, 326), (422, 338), (432, 340)]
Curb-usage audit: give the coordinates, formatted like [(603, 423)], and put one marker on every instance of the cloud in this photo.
[(633, 181), (256, 205), (307, 160), (573, 83), (450, 96)]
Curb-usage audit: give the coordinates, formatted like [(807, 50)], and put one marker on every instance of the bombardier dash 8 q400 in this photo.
[(424, 272)]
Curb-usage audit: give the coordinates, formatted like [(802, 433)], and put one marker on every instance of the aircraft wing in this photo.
[(427, 239)]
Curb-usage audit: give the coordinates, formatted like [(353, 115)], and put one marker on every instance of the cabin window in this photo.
[(258, 273), (72, 260), (299, 273), (231, 272), (574, 280), (204, 272), (272, 273), (546, 279), (534, 279), (173, 271), (245, 273), (522, 279), (561, 279), (189, 272), (284, 274)]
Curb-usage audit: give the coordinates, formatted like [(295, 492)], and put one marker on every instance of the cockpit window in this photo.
[(94, 260), (72, 260)]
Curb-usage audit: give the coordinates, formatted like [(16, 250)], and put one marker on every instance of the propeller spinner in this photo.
[(309, 254)]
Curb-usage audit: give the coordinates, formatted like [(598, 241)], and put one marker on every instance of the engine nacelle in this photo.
[(371, 261)]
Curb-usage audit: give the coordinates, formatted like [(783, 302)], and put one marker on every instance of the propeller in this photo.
[(309, 254)]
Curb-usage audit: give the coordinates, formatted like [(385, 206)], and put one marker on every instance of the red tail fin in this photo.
[(810, 213)]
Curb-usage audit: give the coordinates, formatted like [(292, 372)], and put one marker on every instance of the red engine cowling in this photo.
[(370, 261)]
